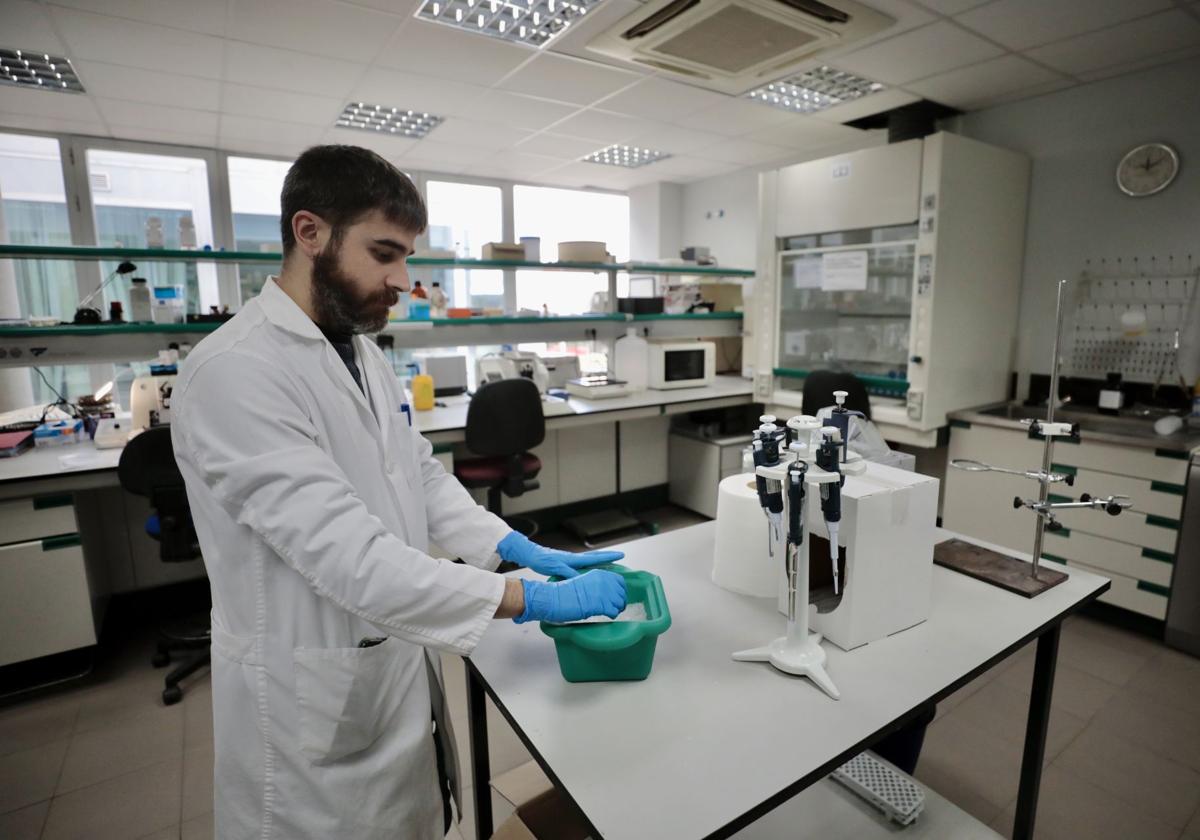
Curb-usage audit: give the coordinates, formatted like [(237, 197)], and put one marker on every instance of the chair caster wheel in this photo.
[(161, 659), (171, 695)]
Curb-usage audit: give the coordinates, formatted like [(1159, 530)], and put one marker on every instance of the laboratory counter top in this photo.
[(451, 415), (1127, 429), (704, 742)]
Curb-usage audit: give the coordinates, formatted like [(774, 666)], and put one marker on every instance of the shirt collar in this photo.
[(284, 312)]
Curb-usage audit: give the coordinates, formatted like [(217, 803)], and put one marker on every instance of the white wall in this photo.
[(1076, 213), (654, 221)]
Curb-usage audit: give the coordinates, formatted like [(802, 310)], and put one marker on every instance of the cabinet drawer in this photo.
[(1158, 498), (1151, 464), (1131, 594), (45, 605), (1140, 529), (36, 517), (1117, 557)]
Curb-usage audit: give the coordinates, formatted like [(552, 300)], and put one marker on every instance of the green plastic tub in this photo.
[(614, 650)]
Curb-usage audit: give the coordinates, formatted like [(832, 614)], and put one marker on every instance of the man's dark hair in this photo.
[(341, 184)]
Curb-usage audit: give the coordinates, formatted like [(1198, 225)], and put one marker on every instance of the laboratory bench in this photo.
[(82, 539), (705, 746), (1139, 550)]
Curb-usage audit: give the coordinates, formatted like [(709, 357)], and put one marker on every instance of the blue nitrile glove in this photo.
[(517, 548), (596, 592)]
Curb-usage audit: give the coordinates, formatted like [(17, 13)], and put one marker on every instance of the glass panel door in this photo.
[(254, 189)]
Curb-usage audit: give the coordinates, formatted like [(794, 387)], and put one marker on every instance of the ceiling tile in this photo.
[(392, 148), (804, 132), (586, 175), (513, 165), (914, 55), (951, 7), (120, 112), (674, 139), (520, 111), (115, 81), (285, 70), (432, 49), (41, 103), (420, 93), (602, 127), (280, 147), (907, 14), (493, 136), (404, 8), (661, 99), (31, 122), (316, 27), (743, 152), (733, 117), (1021, 24), (1031, 92), (249, 101), (208, 18), (1134, 66), (686, 166), (969, 87), (598, 19), (28, 27), (253, 128), (555, 145), (567, 79), (876, 103), (134, 44), (1132, 41), (159, 134), (414, 163)]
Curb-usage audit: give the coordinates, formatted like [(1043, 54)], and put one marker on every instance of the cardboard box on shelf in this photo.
[(542, 813)]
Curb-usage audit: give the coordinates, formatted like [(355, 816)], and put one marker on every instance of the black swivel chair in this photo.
[(147, 468), (820, 385), (504, 421)]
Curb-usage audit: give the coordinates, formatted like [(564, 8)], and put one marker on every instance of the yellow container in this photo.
[(422, 392)]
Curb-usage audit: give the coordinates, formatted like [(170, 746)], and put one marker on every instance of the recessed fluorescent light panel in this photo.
[(533, 23), (384, 120), (38, 70), (814, 90), (628, 156)]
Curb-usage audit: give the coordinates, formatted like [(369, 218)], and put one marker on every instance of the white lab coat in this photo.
[(314, 518)]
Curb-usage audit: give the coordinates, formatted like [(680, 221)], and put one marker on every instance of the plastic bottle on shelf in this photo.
[(139, 301), (437, 301), (187, 233), (154, 232), (631, 359)]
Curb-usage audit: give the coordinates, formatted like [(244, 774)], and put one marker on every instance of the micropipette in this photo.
[(831, 493)]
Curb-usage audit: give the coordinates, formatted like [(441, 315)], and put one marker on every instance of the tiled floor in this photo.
[(107, 760)]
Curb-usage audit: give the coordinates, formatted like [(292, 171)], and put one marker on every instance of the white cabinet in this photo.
[(1136, 549), (697, 466)]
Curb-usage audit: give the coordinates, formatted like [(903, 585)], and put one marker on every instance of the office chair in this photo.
[(820, 385), (504, 421), (147, 468)]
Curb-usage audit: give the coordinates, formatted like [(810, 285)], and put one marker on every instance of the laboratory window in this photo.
[(462, 219), (255, 185), (154, 201)]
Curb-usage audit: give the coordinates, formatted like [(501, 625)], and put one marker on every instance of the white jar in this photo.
[(631, 359), (139, 301)]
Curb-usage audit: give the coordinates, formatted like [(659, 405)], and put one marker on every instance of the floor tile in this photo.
[(37, 721), (101, 754), (122, 700), (1075, 691), (1132, 773), (198, 828), (30, 775), (171, 833), (132, 805), (1172, 678), (1097, 652), (24, 823), (197, 715), (1071, 809), (197, 782), (972, 768), (1192, 831), (998, 709), (1165, 730)]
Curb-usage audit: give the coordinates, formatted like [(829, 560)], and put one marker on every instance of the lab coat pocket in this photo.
[(342, 698)]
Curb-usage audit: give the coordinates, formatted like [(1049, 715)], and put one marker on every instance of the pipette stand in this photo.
[(799, 652)]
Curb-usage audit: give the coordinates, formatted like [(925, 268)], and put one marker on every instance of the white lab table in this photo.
[(705, 746), (445, 423)]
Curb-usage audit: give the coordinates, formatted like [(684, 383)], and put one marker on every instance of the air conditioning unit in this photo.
[(734, 46)]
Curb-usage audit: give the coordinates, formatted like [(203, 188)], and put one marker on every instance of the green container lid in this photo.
[(614, 650)]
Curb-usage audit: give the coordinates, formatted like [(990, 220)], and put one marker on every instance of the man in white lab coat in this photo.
[(315, 501)]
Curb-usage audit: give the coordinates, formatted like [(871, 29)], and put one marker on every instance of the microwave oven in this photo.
[(681, 364)]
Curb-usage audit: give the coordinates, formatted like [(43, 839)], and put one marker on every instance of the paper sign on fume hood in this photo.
[(806, 273), (844, 271)]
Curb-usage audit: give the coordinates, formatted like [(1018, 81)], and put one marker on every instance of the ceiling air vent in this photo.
[(733, 46)]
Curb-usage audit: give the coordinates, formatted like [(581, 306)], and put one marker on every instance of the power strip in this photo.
[(886, 787)]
